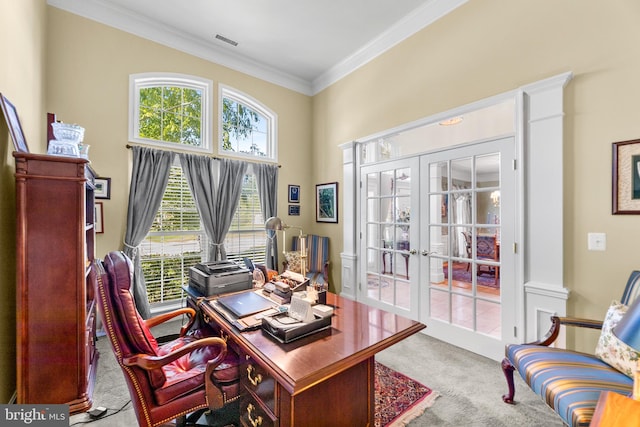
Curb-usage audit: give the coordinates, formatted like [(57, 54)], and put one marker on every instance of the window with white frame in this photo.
[(177, 241), (169, 110), (247, 128)]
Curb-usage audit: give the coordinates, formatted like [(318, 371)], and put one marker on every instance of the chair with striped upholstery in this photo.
[(569, 382), (317, 263)]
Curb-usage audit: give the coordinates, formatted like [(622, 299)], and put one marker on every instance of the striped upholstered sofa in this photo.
[(568, 381)]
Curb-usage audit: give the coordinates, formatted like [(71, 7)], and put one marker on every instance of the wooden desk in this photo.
[(326, 379)]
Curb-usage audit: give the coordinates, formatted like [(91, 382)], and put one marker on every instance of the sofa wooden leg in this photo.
[(508, 369)]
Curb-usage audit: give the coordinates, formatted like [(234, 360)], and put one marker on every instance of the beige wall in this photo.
[(88, 83), (22, 31), (489, 47)]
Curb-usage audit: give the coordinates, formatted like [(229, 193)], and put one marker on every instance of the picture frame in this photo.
[(103, 188), (294, 194), (13, 122), (294, 210), (626, 178), (327, 202), (99, 218)]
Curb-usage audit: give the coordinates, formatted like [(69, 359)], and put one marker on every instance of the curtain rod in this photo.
[(129, 146)]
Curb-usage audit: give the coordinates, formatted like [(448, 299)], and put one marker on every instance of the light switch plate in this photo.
[(597, 241)]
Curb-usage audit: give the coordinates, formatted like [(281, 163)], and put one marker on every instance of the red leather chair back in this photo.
[(133, 335)]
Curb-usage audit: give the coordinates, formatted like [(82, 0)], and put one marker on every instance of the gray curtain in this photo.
[(230, 176), (267, 181), (148, 181), (199, 173)]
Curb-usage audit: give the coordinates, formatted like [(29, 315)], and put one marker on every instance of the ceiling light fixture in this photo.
[(226, 40), (452, 121)]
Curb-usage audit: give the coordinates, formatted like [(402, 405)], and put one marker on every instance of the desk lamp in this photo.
[(628, 331), (276, 224)]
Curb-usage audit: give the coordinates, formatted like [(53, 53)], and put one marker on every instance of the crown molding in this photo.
[(122, 19), (420, 18)]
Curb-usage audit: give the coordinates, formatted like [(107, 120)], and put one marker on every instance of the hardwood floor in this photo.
[(456, 307)]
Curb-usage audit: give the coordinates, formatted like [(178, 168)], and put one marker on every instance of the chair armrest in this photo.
[(148, 362), (154, 321), (557, 322)]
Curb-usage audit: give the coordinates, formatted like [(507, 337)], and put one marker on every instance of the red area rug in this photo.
[(461, 274), (399, 399)]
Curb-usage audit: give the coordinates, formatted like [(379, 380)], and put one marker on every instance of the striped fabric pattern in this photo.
[(317, 255), (632, 289), (569, 382)]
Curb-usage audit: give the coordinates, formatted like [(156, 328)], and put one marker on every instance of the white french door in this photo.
[(467, 204), (389, 264), (437, 242)]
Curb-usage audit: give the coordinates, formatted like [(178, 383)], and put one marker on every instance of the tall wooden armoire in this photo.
[(56, 310)]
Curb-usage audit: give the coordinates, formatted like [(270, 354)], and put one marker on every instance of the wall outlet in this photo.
[(597, 241)]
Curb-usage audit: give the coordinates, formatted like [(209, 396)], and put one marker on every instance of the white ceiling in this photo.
[(304, 45)]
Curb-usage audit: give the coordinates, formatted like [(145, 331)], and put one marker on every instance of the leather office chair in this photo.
[(188, 375), (317, 263)]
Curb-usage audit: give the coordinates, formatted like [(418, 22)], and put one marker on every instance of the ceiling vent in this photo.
[(226, 40)]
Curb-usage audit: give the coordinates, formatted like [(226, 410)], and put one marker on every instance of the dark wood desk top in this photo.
[(358, 332)]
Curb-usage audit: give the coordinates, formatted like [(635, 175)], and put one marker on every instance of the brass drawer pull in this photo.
[(254, 381), (258, 421)]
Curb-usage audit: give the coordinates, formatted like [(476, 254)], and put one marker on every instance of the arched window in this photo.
[(169, 110), (247, 128)]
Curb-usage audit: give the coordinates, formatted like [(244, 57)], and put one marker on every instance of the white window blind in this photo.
[(175, 242), (247, 236)]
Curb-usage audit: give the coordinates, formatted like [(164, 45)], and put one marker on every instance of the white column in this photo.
[(348, 255), (542, 147)]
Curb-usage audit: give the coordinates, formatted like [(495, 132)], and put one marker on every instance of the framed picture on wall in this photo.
[(99, 218), (294, 194), (327, 202), (625, 190), (294, 210), (103, 188), (13, 122)]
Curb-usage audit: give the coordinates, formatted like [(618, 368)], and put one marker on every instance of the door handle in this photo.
[(426, 253), (413, 252)]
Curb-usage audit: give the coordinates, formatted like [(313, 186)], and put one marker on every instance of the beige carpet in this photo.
[(469, 387)]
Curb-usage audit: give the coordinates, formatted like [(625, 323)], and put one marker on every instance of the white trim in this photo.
[(421, 18), (539, 181), (141, 80), (122, 19), (546, 290), (438, 117), (225, 91)]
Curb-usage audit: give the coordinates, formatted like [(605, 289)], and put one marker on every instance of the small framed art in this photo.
[(13, 122), (103, 188), (99, 218), (625, 190), (294, 194), (294, 210), (327, 202)]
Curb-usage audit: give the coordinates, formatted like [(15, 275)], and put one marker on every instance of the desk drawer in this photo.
[(255, 379), (252, 414)]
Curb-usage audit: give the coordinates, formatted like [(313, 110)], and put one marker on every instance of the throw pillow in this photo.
[(610, 349), (293, 261)]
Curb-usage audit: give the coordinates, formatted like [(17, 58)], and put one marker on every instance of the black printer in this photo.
[(219, 277)]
